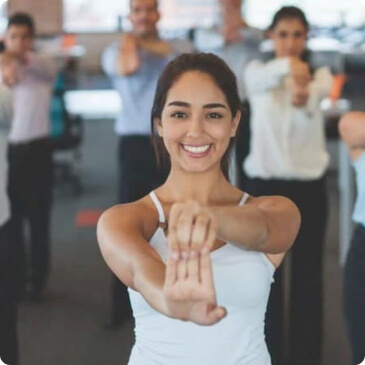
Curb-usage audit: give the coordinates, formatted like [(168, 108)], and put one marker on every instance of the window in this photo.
[(322, 13), (3, 16), (108, 15), (93, 15)]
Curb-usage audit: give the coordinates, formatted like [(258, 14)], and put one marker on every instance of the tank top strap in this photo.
[(161, 214), (244, 199)]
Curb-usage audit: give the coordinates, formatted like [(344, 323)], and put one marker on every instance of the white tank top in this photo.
[(242, 280)]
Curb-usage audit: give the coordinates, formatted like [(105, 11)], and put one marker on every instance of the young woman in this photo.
[(288, 157), (197, 254), (352, 130)]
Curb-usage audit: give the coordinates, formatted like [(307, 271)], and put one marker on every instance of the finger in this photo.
[(184, 227), (193, 267), (200, 232), (205, 270), (174, 250), (216, 314), (173, 241), (171, 272), (182, 269), (211, 235)]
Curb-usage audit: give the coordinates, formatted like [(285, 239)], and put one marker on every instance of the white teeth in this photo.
[(196, 149)]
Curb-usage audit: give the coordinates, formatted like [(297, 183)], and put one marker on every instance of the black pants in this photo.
[(305, 313), (138, 175), (30, 192), (354, 295), (8, 307)]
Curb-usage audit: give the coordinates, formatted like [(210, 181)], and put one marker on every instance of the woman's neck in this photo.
[(207, 187)]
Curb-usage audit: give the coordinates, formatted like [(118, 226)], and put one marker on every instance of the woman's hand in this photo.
[(189, 288), (300, 94), (128, 59), (300, 71), (9, 65)]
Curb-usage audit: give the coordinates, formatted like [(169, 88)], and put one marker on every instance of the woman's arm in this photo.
[(260, 77), (352, 130), (266, 224), (319, 88), (129, 255), (183, 288)]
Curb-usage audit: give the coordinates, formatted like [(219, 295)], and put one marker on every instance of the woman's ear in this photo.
[(235, 123), (158, 125)]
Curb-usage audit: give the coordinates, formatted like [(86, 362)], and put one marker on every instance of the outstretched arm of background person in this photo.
[(319, 88), (42, 66), (352, 131), (261, 77), (9, 69), (128, 62), (156, 46)]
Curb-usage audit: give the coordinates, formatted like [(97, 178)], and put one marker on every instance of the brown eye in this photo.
[(214, 116), (178, 115), (298, 35), (283, 34)]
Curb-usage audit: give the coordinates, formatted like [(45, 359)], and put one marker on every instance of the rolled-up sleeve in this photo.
[(260, 77), (109, 59)]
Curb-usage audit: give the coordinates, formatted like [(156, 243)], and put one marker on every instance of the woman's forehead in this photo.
[(196, 85)]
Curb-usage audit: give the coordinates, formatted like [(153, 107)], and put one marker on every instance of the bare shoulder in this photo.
[(139, 216)]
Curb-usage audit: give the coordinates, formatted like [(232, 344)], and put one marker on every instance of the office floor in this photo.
[(67, 329)]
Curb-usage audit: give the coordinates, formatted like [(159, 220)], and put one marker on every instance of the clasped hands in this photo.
[(300, 79), (189, 286), (10, 65)]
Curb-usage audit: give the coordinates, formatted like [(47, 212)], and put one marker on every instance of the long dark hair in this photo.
[(289, 12), (223, 77), (22, 19), (292, 12)]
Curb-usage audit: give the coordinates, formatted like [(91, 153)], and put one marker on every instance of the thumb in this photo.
[(216, 314)]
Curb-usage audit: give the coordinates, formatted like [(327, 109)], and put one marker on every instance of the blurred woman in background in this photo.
[(288, 157)]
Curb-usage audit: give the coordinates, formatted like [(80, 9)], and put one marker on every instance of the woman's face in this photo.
[(289, 37), (196, 123)]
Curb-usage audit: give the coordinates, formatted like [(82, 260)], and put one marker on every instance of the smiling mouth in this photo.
[(196, 149)]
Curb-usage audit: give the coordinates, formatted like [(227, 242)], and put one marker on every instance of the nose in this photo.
[(196, 126), (291, 43)]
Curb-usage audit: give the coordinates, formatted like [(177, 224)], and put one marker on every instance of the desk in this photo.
[(93, 104)]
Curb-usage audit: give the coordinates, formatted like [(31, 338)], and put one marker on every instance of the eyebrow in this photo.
[(206, 106)]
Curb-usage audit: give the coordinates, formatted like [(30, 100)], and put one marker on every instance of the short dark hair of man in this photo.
[(22, 19)]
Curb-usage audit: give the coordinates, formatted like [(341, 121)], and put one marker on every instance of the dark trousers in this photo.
[(354, 295), (138, 175), (30, 192), (305, 296), (8, 307)]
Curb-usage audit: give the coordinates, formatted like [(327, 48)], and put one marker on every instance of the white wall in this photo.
[(94, 45)]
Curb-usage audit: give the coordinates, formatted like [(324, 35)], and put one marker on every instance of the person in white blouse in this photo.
[(288, 157)]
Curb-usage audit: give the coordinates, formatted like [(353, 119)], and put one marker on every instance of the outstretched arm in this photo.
[(266, 224), (352, 129), (182, 289), (129, 255), (128, 59)]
